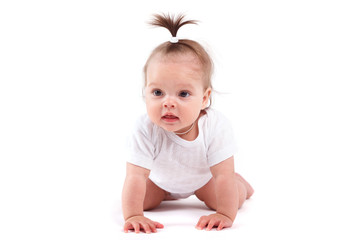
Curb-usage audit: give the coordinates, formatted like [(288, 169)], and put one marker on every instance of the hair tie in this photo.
[(174, 40)]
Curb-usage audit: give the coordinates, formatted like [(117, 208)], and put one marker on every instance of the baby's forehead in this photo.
[(186, 66), (179, 58)]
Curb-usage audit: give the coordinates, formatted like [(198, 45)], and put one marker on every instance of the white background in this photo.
[(287, 75)]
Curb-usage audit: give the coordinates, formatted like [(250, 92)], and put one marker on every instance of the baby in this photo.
[(182, 146)]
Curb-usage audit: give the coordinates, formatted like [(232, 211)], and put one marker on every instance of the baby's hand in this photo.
[(214, 220), (138, 223)]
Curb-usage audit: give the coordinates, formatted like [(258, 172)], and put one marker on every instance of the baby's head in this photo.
[(177, 79)]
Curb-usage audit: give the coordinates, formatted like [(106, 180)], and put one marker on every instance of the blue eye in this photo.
[(184, 94), (157, 93)]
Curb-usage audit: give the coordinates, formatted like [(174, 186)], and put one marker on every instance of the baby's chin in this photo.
[(176, 126), (170, 129)]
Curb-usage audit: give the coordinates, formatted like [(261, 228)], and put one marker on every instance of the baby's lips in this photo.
[(170, 116)]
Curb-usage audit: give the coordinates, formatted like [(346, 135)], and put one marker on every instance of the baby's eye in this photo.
[(184, 94), (157, 93)]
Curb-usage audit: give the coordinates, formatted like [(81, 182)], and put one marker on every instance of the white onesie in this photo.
[(176, 165)]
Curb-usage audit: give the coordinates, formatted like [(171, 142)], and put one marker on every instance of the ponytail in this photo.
[(180, 46)]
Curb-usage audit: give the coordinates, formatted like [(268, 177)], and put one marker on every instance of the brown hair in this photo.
[(183, 46)]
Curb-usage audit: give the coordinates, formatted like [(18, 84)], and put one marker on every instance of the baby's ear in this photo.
[(206, 98)]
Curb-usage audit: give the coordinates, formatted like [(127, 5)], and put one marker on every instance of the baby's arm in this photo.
[(226, 197), (133, 199)]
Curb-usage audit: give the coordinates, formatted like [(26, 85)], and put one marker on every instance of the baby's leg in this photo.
[(153, 196), (207, 193), (249, 189)]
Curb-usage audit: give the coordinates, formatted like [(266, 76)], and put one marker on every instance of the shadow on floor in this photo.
[(181, 204)]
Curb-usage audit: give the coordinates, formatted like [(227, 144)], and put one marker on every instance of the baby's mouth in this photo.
[(169, 118)]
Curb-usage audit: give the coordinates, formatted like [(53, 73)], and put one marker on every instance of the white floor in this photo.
[(180, 217), (87, 209), (288, 217)]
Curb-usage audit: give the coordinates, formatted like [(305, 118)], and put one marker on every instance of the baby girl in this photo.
[(182, 146)]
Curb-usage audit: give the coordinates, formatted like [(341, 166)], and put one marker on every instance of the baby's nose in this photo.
[(169, 103)]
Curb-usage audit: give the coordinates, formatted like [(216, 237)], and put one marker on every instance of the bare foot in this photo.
[(249, 189)]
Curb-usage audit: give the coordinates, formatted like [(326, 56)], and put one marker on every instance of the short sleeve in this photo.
[(141, 144), (221, 143)]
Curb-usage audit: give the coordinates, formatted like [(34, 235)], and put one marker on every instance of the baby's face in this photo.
[(174, 92)]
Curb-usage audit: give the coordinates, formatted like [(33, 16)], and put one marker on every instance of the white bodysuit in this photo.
[(178, 166)]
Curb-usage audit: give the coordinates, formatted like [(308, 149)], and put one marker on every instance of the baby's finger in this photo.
[(136, 227), (146, 227), (211, 224), (158, 225), (202, 222), (127, 227), (221, 226), (152, 227)]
